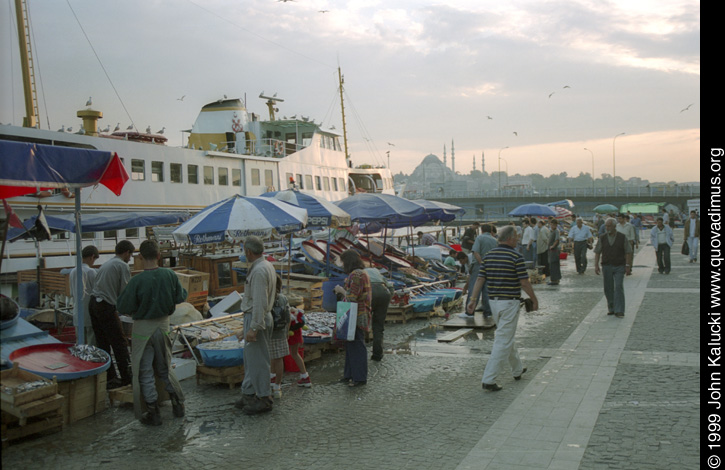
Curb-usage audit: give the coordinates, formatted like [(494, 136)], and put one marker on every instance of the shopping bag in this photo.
[(685, 248), (346, 321)]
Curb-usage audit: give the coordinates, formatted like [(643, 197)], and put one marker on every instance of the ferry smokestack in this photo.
[(90, 120)]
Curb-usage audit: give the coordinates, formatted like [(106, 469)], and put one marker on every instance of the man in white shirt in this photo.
[(662, 238), (527, 242), (582, 237), (626, 229), (90, 255)]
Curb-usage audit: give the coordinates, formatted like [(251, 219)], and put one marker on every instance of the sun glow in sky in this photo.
[(562, 75)]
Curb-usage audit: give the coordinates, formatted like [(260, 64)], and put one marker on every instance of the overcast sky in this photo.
[(418, 75)]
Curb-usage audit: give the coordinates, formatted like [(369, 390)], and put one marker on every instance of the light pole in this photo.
[(499, 169), (507, 170), (592, 168), (614, 168)]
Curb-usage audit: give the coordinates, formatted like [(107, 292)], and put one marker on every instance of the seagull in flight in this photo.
[(550, 94), (391, 144), (566, 86), (489, 117), (181, 99), (516, 133), (324, 11), (687, 108)]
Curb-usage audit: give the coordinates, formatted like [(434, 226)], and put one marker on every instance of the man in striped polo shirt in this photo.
[(504, 272)]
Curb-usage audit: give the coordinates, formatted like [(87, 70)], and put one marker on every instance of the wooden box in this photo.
[(222, 375), (222, 278), (195, 282), (12, 378), (52, 282), (83, 397)]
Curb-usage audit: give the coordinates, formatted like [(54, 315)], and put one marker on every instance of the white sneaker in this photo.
[(277, 392)]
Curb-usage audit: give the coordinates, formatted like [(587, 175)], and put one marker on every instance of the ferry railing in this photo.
[(654, 192)]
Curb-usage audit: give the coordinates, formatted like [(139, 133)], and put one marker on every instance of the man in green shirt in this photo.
[(150, 298)]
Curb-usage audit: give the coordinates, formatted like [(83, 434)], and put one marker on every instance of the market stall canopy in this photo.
[(320, 212), (643, 207), (564, 203), (562, 212), (238, 217), (606, 209), (388, 210), (100, 222), (440, 210), (540, 210), (27, 168)]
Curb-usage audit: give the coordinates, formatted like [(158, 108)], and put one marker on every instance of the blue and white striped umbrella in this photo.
[(238, 217), (320, 212)]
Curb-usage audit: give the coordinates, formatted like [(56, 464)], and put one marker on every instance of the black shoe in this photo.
[(518, 377), (357, 383), (152, 417), (177, 405), (610, 313), (492, 387), (619, 315), (344, 380), (246, 400), (376, 358), (261, 405)]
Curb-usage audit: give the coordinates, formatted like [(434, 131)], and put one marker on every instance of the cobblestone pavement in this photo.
[(599, 392)]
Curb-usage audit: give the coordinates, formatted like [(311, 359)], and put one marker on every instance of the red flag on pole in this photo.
[(13, 219)]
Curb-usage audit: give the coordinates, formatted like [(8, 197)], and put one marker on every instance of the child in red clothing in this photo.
[(295, 341)]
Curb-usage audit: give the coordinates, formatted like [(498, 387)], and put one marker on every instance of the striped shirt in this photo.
[(504, 268)]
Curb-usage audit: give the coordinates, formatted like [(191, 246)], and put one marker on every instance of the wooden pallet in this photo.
[(400, 314), (220, 375), (51, 280), (45, 423)]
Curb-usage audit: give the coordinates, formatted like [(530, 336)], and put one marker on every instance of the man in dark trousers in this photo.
[(504, 270), (150, 298), (616, 254), (112, 277)]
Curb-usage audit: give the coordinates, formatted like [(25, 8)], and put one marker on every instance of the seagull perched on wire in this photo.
[(118, 127), (687, 108), (130, 128)]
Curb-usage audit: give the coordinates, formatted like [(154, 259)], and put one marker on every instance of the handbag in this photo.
[(345, 321), (685, 248)]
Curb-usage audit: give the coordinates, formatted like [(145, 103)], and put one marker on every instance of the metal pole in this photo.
[(614, 171), (592, 168), (78, 307)]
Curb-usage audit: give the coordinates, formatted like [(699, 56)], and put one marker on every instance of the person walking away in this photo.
[(357, 289), (504, 270), (382, 292), (616, 256), (554, 253), (527, 242), (636, 222), (542, 247), (661, 239), (111, 279), (483, 244), (150, 298), (257, 303), (469, 236), (582, 237), (692, 235), (90, 255), (665, 216), (278, 345), (672, 218)]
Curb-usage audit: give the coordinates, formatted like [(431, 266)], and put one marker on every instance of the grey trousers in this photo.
[(154, 359), (614, 287), (257, 362)]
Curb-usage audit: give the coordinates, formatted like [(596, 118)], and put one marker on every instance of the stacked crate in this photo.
[(32, 412), (307, 287)]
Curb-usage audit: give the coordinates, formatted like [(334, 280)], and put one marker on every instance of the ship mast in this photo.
[(342, 104), (26, 64)]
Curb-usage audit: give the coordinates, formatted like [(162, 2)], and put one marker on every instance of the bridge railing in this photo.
[(692, 191)]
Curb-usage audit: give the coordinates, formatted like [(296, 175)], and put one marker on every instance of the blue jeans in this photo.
[(614, 287)]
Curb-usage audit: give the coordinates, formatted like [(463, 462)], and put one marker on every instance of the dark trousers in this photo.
[(379, 306), (544, 261), (109, 337), (356, 358), (663, 258), (580, 256)]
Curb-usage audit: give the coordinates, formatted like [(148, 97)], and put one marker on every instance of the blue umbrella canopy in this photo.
[(606, 209), (320, 212), (238, 217), (533, 209), (440, 210), (391, 211)]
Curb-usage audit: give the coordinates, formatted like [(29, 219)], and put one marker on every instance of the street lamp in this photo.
[(592, 168), (614, 170), (499, 169), (507, 170)]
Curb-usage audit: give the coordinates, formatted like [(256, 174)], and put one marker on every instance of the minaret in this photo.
[(453, 157), (444, 156), (483, 164), (474, 163)]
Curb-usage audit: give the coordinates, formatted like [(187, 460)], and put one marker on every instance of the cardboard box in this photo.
[(194, 282)]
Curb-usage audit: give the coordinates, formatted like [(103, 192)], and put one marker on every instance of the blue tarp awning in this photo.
[(101, 222)]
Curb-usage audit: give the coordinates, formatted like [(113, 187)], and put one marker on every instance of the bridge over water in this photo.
[(492, 205)]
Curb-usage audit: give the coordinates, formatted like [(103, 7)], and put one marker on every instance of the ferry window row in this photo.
[(138, 173), (322, 183)]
